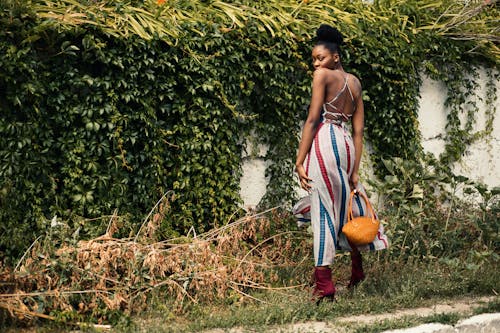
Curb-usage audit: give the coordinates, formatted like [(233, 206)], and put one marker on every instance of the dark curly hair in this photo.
[(329, 37)]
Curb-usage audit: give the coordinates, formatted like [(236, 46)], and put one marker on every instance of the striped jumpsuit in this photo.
[(329, 164)]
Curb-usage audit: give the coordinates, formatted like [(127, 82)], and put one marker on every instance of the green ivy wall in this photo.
[(95, 120)]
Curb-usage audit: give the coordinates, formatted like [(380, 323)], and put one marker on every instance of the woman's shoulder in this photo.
[(342, 75), (354, 79), (328, 75), (323, 75), (320, 72)]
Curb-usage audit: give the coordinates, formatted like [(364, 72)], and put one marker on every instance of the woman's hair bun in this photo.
[(327, 33)]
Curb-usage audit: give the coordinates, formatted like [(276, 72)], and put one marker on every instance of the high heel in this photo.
[(324, 288), (357, 273)]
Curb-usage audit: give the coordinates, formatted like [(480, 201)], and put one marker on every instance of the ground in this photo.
[(462, 307)]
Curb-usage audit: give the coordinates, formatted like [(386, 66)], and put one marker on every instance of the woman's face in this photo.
[(324, 58)]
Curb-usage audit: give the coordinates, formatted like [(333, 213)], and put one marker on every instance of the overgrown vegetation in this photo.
[(107, 106), (258, 265)]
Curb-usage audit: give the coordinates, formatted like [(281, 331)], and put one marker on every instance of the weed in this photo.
[(255, 271), (490, 307)]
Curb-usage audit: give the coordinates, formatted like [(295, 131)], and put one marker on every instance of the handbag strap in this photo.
[(368, 204)]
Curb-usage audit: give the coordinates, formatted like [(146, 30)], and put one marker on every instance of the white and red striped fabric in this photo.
[(329, 164)]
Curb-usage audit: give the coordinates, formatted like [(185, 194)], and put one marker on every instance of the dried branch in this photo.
[(120, 274)]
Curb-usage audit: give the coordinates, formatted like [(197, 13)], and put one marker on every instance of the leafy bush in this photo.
[(434, 215), (110, 104)]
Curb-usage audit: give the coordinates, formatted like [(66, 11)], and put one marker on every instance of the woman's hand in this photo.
[(354, 180), (304, 179)]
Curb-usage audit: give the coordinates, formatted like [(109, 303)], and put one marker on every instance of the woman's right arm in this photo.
[(311, 124)]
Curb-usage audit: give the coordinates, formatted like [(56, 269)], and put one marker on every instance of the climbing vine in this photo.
[(110, 104), (463, 105)]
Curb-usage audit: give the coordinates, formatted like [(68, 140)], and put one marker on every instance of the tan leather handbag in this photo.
[(363, 229)]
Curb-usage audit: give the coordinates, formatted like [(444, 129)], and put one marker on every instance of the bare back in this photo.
[(342, 90)]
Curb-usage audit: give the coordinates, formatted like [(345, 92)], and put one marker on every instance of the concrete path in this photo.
[(484, 323)]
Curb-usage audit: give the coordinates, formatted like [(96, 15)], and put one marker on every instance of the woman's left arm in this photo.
[(358, 126)]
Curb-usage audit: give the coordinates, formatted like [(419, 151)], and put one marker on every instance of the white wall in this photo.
[(482, 160), (253, 181), (481, 163)]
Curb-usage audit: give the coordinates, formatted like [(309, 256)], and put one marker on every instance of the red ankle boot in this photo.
[(324, 285), (357, 274)]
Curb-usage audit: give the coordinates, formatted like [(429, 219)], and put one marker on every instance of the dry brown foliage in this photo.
[(105, 274)]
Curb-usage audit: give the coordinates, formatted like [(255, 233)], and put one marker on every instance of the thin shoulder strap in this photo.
[(350, 92)]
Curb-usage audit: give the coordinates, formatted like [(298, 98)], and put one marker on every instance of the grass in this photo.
[(490, 307), (412, 285), (389, 286), (392, 285), (264, 280)]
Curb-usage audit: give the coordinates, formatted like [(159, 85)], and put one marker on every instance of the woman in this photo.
[(328, 161)]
